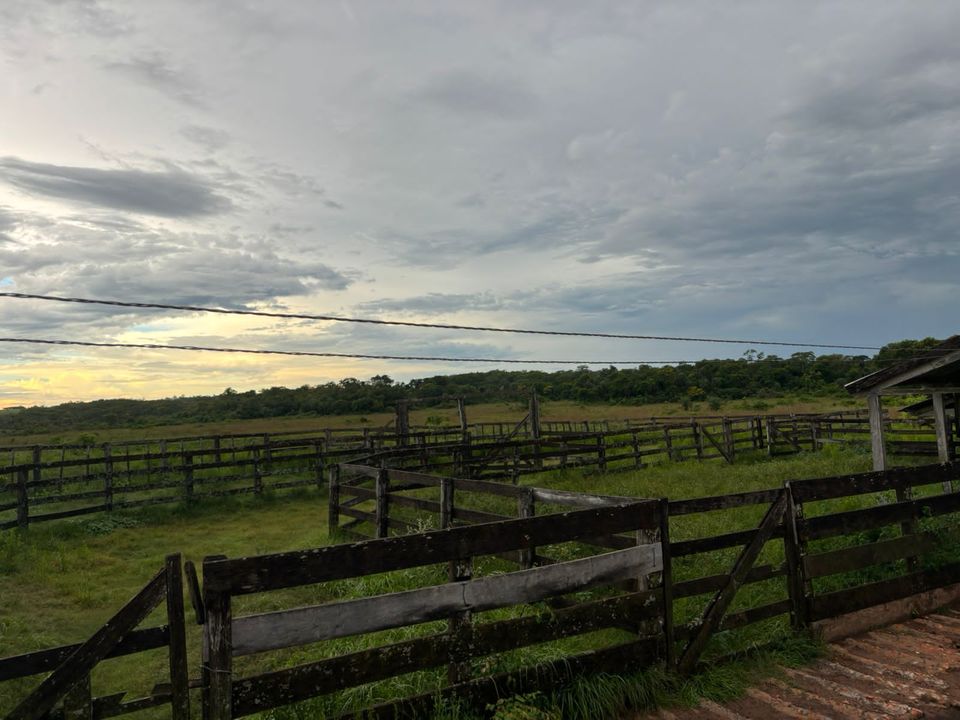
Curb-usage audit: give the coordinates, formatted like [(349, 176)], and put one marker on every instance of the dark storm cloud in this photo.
[(468, 92), (867, 156), (171, 193)]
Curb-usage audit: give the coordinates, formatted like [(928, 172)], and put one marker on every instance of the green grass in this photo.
[(481, 412), (62, 580)]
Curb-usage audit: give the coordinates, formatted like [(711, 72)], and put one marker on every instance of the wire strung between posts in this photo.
[(406, 323), (355, 356)]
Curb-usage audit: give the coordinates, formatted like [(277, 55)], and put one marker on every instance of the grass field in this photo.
[(485, 412), (61, 581)]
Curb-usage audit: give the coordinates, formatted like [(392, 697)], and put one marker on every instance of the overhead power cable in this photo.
[(363, 356), (356, 356), (406, 323)]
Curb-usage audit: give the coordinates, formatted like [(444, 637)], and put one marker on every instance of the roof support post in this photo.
[(940, 426), (876, 431)]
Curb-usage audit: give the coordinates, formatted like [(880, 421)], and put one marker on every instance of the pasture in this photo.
[(426, 416)]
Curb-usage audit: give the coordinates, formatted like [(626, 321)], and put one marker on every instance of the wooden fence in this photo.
[(841, 544), (799, 555), (460, 603), (44, 483)]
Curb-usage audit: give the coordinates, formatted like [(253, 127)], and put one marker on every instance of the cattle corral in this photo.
[(488, 565), (40, 483)]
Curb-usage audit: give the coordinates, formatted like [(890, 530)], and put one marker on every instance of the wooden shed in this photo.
[(934, 372)]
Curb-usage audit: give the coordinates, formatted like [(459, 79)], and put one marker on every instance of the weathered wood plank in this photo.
[(841, 602), (304, 681), (290, 569), (723, 502), (178, 661), (217, 651), (861, 556), (712, 583), (871, 482), (576, 499), (194, 592), (41, 661), (738, 538), (477, 516), (851, 521), (288, 628)]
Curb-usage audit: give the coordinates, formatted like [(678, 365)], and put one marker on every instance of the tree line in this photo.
[(752, 375)]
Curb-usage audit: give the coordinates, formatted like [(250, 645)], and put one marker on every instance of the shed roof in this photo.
[(924, 408), (936, 367)]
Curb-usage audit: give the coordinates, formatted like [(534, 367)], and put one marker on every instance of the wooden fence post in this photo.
[(179, 673), (164, 460), (462, 415), (637, 459), (697, 438), (187, 476), (257, 470), (333, 501), (908, 527), (23, 500), (107, 476), (459, 626), (526, 509), (771, 434), (796, 578), (267, 468), (728, 439), (446, 502), (217, 653), (319, 465), (403, 421), (383, 503), (216, 450), (666, 581), (601, 452), (668, 442), (37, 473)]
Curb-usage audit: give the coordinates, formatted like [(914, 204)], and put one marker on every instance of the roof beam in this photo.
[(917, 390), (916, 372)]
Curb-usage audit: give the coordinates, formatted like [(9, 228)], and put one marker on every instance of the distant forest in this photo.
[(753, 375)]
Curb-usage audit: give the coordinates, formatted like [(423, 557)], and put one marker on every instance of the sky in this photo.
[(783, 171)]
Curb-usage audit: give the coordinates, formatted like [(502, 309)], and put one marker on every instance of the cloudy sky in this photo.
[(782, 171)]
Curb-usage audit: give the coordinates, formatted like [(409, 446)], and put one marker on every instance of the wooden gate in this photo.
[(69, 683), (718, 606)]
